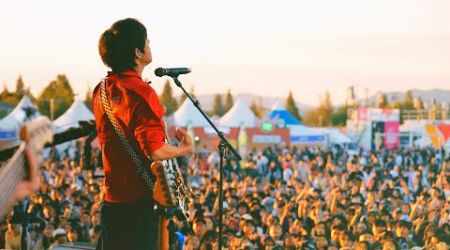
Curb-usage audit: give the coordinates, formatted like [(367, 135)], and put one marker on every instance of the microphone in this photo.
[(172, 72)]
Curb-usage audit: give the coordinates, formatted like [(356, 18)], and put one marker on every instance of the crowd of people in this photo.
[(64, 211), (287, 198), (276, 198)]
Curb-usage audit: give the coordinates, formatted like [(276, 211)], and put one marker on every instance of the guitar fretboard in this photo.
[(11, 173)]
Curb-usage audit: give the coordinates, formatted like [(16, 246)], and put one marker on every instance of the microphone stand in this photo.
[(223, 147)]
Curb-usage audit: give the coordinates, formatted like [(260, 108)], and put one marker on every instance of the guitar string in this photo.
[(13, 180), (13, 172), (14, 176), (10, 170)]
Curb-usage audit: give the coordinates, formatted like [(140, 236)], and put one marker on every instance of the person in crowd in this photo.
[(60, 237), (46, 240)]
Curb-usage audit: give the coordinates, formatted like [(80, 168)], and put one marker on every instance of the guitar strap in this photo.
[(141, 168)]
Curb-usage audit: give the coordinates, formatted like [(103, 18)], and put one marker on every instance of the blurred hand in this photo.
[(184, 138)]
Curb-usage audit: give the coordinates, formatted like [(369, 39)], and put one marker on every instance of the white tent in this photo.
[(188, 114), (70, 119), (10, 124), (239, 115)]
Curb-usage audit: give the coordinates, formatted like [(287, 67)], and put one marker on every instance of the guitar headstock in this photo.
[(37, 133)]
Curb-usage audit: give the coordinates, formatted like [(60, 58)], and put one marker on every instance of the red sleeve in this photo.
[(149, 127)]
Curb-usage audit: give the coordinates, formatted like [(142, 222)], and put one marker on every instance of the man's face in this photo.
[(73, 236), (366, 237), (48, 231), (199, 228), (275, 232), (377, 230), (335, 234), (402, 232), (85, 219), (248, 229), (360, 227), (321, 242), (146, 55)]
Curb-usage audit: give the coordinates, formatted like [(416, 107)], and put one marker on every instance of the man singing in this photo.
[(128, 220)]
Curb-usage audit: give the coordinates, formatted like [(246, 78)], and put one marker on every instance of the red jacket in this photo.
[(136, 106)]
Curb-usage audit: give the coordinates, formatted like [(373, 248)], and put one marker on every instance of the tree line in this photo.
[(58, 95), (53, 101)]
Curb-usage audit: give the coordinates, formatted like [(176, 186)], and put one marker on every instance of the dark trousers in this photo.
[(130, 226)]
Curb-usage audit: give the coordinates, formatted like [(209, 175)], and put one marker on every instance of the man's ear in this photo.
[(137, 52)]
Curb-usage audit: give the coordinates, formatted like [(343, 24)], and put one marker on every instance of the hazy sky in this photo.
[(260, 47)]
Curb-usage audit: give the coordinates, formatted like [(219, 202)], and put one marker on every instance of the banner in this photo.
[(305, 139), (391, 135), (435, 136), (445, 130)]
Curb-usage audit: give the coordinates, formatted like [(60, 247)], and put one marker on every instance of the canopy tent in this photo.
[(281, 116), (10, 124), (76, 113), (70, 119), (239, 115), (187, 115)]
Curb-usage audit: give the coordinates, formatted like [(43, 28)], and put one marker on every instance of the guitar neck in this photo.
[(10, 176), (34, 135)]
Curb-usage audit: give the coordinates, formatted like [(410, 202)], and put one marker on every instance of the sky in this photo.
[(262, 47)]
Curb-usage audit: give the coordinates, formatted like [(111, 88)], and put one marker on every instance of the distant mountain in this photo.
[(428, 96), (206, 101)]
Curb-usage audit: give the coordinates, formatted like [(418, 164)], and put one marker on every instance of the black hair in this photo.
[(117, 44)]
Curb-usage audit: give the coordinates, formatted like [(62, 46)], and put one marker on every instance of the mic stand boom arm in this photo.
[(223, 147)]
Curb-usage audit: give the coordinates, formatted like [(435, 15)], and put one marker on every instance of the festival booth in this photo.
[(413, 134), (241, 137), (303, 136), (11, 124), (76, 113), (335, 137), (239, 125), (299, 135), (374, 128), (247, 132), (437, 136)]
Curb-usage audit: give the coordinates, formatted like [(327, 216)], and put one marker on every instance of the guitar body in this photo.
[(172, 196), (165, 184)]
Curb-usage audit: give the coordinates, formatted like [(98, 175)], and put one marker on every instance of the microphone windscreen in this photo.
[(160, 72)]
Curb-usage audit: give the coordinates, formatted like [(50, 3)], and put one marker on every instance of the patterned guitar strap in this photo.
[(141, 169)]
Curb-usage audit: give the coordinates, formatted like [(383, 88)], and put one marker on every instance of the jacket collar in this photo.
[(126, 73)]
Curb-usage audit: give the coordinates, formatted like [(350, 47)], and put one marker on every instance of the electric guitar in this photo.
[(173, 195), (34, 135)]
